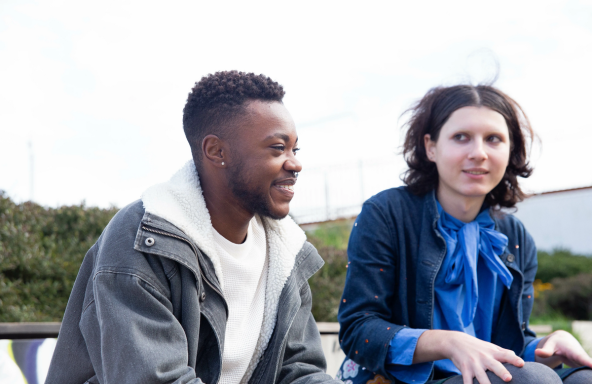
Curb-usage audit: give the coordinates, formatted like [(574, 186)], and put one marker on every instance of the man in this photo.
[(205, 279)]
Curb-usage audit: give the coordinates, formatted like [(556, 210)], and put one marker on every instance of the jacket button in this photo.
[(203, 296), (149, 241), (510, 258)]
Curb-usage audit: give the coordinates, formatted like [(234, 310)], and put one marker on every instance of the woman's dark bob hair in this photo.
[(433, 110)]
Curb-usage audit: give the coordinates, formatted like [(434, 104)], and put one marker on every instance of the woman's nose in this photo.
[(478, 151)]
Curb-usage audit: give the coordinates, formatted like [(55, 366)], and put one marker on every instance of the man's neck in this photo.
[(228, 218)]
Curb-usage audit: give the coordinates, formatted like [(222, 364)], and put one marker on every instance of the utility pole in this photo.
[(31, 172), (327, 209)]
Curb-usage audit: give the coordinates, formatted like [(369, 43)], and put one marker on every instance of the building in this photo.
[(559, 219)]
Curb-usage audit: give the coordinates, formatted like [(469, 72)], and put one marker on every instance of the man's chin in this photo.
[(276, 214)]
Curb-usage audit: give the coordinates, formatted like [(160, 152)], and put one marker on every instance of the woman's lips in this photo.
[(475, 174)]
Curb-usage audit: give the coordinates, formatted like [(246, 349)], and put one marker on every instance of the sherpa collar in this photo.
[(180, 201)]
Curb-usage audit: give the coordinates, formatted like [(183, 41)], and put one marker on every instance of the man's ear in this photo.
[(214, 151), (430, 147)]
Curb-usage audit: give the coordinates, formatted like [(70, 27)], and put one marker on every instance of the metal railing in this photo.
[(338, 191)]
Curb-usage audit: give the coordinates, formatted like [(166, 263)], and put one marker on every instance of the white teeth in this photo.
[(476, 173), (288, 187)]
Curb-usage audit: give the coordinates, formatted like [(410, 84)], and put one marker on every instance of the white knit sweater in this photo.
[(245, 277), (180, 201)]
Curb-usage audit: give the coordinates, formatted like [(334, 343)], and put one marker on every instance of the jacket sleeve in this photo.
[(134, 335), (529, 270), (366, 309), (304, 360)]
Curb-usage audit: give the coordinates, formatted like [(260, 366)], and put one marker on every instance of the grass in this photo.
[(333, 234)]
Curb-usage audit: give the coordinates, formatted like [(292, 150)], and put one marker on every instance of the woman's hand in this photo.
[(470, 355), (561, 347)]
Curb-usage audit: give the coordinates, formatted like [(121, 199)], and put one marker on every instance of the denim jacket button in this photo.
[(510, 258), (149, 241), (203, 296)]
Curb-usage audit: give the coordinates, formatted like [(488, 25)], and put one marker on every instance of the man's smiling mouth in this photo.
[(285, 186)]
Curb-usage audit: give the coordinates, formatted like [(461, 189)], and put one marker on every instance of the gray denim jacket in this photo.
[(147, 307)]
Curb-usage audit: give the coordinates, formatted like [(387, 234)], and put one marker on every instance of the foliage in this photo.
[(561, 263), (327, 284), (334, 235), (41, 250), (564, 286), (555, 319), (572, 296)]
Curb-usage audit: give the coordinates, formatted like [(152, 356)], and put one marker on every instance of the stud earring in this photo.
[(222, 163)]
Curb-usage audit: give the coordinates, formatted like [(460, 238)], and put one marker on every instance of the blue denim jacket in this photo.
[(395, 252), (146, 307)]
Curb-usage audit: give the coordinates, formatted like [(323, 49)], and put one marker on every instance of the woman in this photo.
[(439, 283)]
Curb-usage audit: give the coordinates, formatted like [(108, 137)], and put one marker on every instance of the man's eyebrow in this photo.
[(282, 136)]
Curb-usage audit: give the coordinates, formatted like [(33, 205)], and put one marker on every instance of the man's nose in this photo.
[(293, 165)]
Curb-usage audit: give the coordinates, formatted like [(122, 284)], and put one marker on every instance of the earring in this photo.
[(222, 163)]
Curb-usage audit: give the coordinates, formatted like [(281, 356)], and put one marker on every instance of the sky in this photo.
[(91, 93)]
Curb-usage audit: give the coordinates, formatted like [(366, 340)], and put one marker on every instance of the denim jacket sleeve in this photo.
[(137, 337), (530, 269), (304, 360), (365, 310)]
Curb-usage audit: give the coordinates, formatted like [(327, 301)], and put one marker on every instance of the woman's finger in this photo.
[(577, 356), (543, 352), (481, 377), (500, 371), (467, 377), (510, 357)]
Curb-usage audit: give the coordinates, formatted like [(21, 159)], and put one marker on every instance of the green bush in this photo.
[(572, 296), (41, 250), (327, 284), (561, 263)]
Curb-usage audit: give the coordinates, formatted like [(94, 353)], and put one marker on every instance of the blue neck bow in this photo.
[(465, 243)]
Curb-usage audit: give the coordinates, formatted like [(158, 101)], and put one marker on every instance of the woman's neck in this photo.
[(463, 208)]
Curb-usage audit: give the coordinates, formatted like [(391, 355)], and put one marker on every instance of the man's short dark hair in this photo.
[(217, 101)]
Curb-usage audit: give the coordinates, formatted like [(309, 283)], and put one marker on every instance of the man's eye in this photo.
[(279, 147)]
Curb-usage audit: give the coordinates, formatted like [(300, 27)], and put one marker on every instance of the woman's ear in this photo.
[(430, 147), (213, 151)]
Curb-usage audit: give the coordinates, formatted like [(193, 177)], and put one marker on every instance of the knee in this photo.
[(583, 376), (533, 373)]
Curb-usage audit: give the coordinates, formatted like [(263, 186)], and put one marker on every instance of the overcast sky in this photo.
[(98, 88)]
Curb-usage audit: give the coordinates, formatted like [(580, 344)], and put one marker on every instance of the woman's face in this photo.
[(471, 154)]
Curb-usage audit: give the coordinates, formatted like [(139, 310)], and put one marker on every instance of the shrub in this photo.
[(561, 263), (572, 296), (327, 284), (41, 250)]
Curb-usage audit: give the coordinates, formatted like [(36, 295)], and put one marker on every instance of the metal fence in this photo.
[(338, 191)]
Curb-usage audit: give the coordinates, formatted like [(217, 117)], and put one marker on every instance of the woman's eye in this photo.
[(460, 137), (279, 147), (295, 150), (494, 139)]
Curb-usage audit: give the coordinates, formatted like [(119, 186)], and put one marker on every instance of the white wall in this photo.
[(560, 219)]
